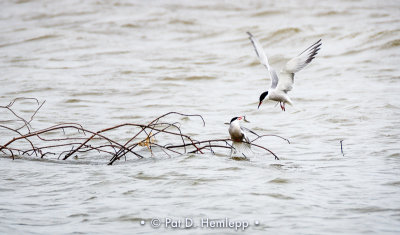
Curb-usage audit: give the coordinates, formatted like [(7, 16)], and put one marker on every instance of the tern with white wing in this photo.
[(280, 86)]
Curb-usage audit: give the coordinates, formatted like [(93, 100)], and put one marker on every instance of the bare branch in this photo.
[(72, 139)]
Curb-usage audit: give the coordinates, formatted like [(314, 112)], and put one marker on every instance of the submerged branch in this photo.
[(72, 139)]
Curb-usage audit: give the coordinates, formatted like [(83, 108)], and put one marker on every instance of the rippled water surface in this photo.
[(102, 63)]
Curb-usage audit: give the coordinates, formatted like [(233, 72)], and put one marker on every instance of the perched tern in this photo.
[(282, 85), (238, 134), (236, 131)]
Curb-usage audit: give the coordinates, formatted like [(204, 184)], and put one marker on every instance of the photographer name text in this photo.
[(204, 223)]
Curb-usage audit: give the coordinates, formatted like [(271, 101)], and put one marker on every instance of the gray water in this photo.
[(102, 63)]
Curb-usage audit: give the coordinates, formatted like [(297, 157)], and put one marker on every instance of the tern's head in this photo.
[(234, 119), (242, 118), (262, 97)]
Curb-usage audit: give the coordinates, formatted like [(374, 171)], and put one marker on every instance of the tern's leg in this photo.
[(283, 107)]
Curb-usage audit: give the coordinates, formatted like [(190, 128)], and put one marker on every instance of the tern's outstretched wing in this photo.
[(263, 59), (296, 64), (248, 130)]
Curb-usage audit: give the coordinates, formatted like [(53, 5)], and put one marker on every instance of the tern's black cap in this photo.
[(263, 95), (233, 119)]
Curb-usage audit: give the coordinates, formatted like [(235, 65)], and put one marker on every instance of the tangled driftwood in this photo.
[(55, 140)]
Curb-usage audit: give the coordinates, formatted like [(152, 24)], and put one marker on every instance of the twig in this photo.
[(55, 141), (341, 147), (260, 136)]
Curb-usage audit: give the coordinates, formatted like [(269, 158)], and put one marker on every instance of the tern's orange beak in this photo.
[(259, 104)]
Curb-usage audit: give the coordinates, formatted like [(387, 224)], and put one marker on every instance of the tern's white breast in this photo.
[(279, 96), (235, 132)]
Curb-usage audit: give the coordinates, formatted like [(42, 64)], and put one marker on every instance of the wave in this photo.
[(391, 44), (286, 32), (266, 13), (333, 13), (34, 39), (190, 78)]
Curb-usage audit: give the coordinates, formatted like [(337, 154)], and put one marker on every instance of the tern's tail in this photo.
[(241, 149), (289, 101)]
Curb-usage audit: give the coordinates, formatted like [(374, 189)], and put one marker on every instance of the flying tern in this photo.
[(280, 86)]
